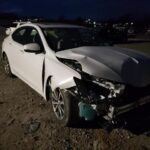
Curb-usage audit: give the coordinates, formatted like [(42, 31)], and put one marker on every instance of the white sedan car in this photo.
[(80, 75)]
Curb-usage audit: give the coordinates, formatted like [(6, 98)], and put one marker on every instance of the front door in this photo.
[(27, 66), (32, 63)]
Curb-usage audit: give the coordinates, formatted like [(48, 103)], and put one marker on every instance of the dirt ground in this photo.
[(27, 123)]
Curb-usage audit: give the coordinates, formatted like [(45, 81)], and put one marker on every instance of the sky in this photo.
[(95, 9)]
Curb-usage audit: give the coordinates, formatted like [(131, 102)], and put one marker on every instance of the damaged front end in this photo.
[(100, 97), (107, 99), (96, 96)]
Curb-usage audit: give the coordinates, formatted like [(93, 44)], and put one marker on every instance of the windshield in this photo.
[(67, 38)]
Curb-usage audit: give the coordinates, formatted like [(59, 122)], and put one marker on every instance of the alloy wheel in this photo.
[(58, 104)]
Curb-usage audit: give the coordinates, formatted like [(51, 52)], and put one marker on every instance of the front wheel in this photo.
[(65, 108)]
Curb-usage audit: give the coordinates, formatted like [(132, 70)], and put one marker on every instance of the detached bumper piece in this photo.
[(116, 111), (87, 112)]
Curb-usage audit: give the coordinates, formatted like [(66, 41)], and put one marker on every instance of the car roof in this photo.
[(57, 25)]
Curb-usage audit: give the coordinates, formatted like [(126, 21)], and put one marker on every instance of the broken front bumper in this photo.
[(116, 111), (87, 112), (110, 108)]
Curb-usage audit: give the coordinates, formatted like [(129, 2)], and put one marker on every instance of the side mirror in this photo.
[(32, 48)]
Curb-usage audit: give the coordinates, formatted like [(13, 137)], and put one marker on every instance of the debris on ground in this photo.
[(10, 122), (31, 126)]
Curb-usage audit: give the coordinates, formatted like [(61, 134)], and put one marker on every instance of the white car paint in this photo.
[(29, 66), (108, 68)]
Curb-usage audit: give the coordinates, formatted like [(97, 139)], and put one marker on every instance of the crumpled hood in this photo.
[(112, 63)]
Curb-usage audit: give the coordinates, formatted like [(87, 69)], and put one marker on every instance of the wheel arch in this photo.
[(51, 85), (3, 54), (47, 88)]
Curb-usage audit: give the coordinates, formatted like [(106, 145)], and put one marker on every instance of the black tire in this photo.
[(6, 66), (70, 117)]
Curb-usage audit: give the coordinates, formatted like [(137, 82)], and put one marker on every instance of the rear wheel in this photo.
[(6, 66), (65, 108)]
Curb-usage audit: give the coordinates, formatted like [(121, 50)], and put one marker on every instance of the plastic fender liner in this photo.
[(86, 111)]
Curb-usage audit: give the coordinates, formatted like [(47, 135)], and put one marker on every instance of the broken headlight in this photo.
[(71, 63), (99, 89), (115, 89), (89, 91)]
